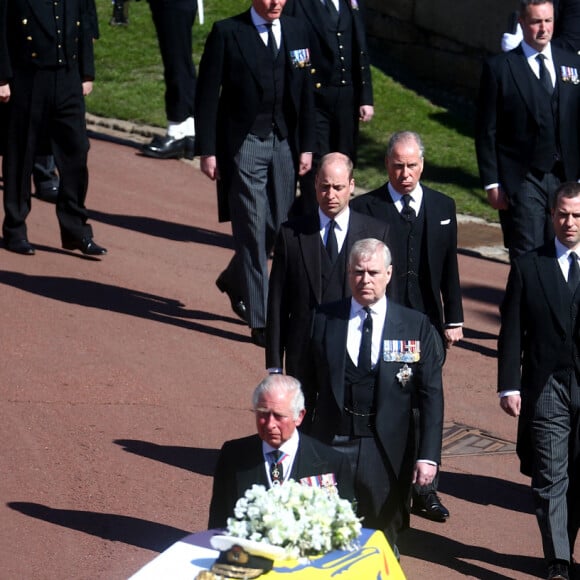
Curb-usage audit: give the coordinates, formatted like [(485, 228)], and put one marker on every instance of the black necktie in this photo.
[(331, 243), (276, 469), (332, 11), (545, 77), (574, 272), (366, 341), (271, 40), (408, 212)]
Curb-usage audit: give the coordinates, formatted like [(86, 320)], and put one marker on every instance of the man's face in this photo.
[(537, 24), (269, 9), (368, 279), (333, 188), (274, 419), (566, 220), (404, 166)]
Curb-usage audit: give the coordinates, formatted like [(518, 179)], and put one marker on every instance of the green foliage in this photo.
[(129, 86)]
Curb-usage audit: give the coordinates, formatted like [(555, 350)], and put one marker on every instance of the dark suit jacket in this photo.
[(229, 92), (241, 465), (313, 14), (441, 243), (567, 27), (28, 40), (296, 285), (394, 401), (536, 337), (507, 118)]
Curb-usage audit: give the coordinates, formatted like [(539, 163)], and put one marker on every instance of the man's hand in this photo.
[(4, 93), (87, 88), (497, 198), (424, 473), (366, 112), (452, 335), (304, 163), (511, 404), (208, 165)]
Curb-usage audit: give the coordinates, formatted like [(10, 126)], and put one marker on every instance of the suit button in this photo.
[(317, 85), (312, 71)]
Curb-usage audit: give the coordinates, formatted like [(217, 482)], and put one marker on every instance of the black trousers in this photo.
[(46, 105), (173, 20)]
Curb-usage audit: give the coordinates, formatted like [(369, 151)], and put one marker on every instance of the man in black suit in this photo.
[(173, 20), (538, 370), (254, 115), (528, 128), (277, 453), (341, 75), (423, 230), (374, 360), (46, 68), (307, 270)]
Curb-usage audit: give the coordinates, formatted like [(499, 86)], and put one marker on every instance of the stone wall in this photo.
[(441, 41)]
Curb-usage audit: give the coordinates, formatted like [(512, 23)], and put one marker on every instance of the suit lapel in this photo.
[(554, 287), (335, 337), (523, 77), (310, 245), (248, 41), (255, 472)]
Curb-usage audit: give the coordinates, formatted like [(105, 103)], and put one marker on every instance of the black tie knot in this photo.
[(331, 241), (408, 212), (573, 272), (544, 75)]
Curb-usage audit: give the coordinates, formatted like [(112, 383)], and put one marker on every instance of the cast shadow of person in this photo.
[(194, 459)]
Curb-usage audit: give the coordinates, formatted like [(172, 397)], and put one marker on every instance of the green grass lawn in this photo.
[(129, 86)]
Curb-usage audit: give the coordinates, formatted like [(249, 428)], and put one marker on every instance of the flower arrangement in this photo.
[(304, 520)]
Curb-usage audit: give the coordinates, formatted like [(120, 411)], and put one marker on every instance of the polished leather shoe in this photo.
[(87, 246), (558, 570), (22, 246), (259, 337), (429, 506), (237, 304), (49, 194), (169, 148)]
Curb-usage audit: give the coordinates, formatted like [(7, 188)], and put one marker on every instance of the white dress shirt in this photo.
[(416, 198), (355, 325), (340, 229), (260, 24), (289, 448)]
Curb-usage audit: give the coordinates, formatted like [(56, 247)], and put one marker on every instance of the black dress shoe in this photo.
[(22, 246), (169, 148), (259, 337), (558, 570), (87, 246), (429, 506), (49, 194), (237, 304)]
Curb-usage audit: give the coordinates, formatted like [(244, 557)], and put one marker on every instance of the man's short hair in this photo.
[(568, 190), (401, 136), (286, 384), (334, 157), (525, 3), (363, 250)]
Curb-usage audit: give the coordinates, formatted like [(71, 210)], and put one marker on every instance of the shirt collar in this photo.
[(562, 252), (377, 309), (259, 21), (530, 52), (289, 447), (416, 194), (340, 220)]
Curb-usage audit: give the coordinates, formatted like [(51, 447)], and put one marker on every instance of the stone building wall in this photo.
[(441, 41)]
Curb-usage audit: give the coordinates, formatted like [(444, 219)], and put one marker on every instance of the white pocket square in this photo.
[(445, 222)]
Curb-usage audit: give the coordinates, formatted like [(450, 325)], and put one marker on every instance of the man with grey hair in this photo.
[(423, 232), (373, 362), (277, 452)]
